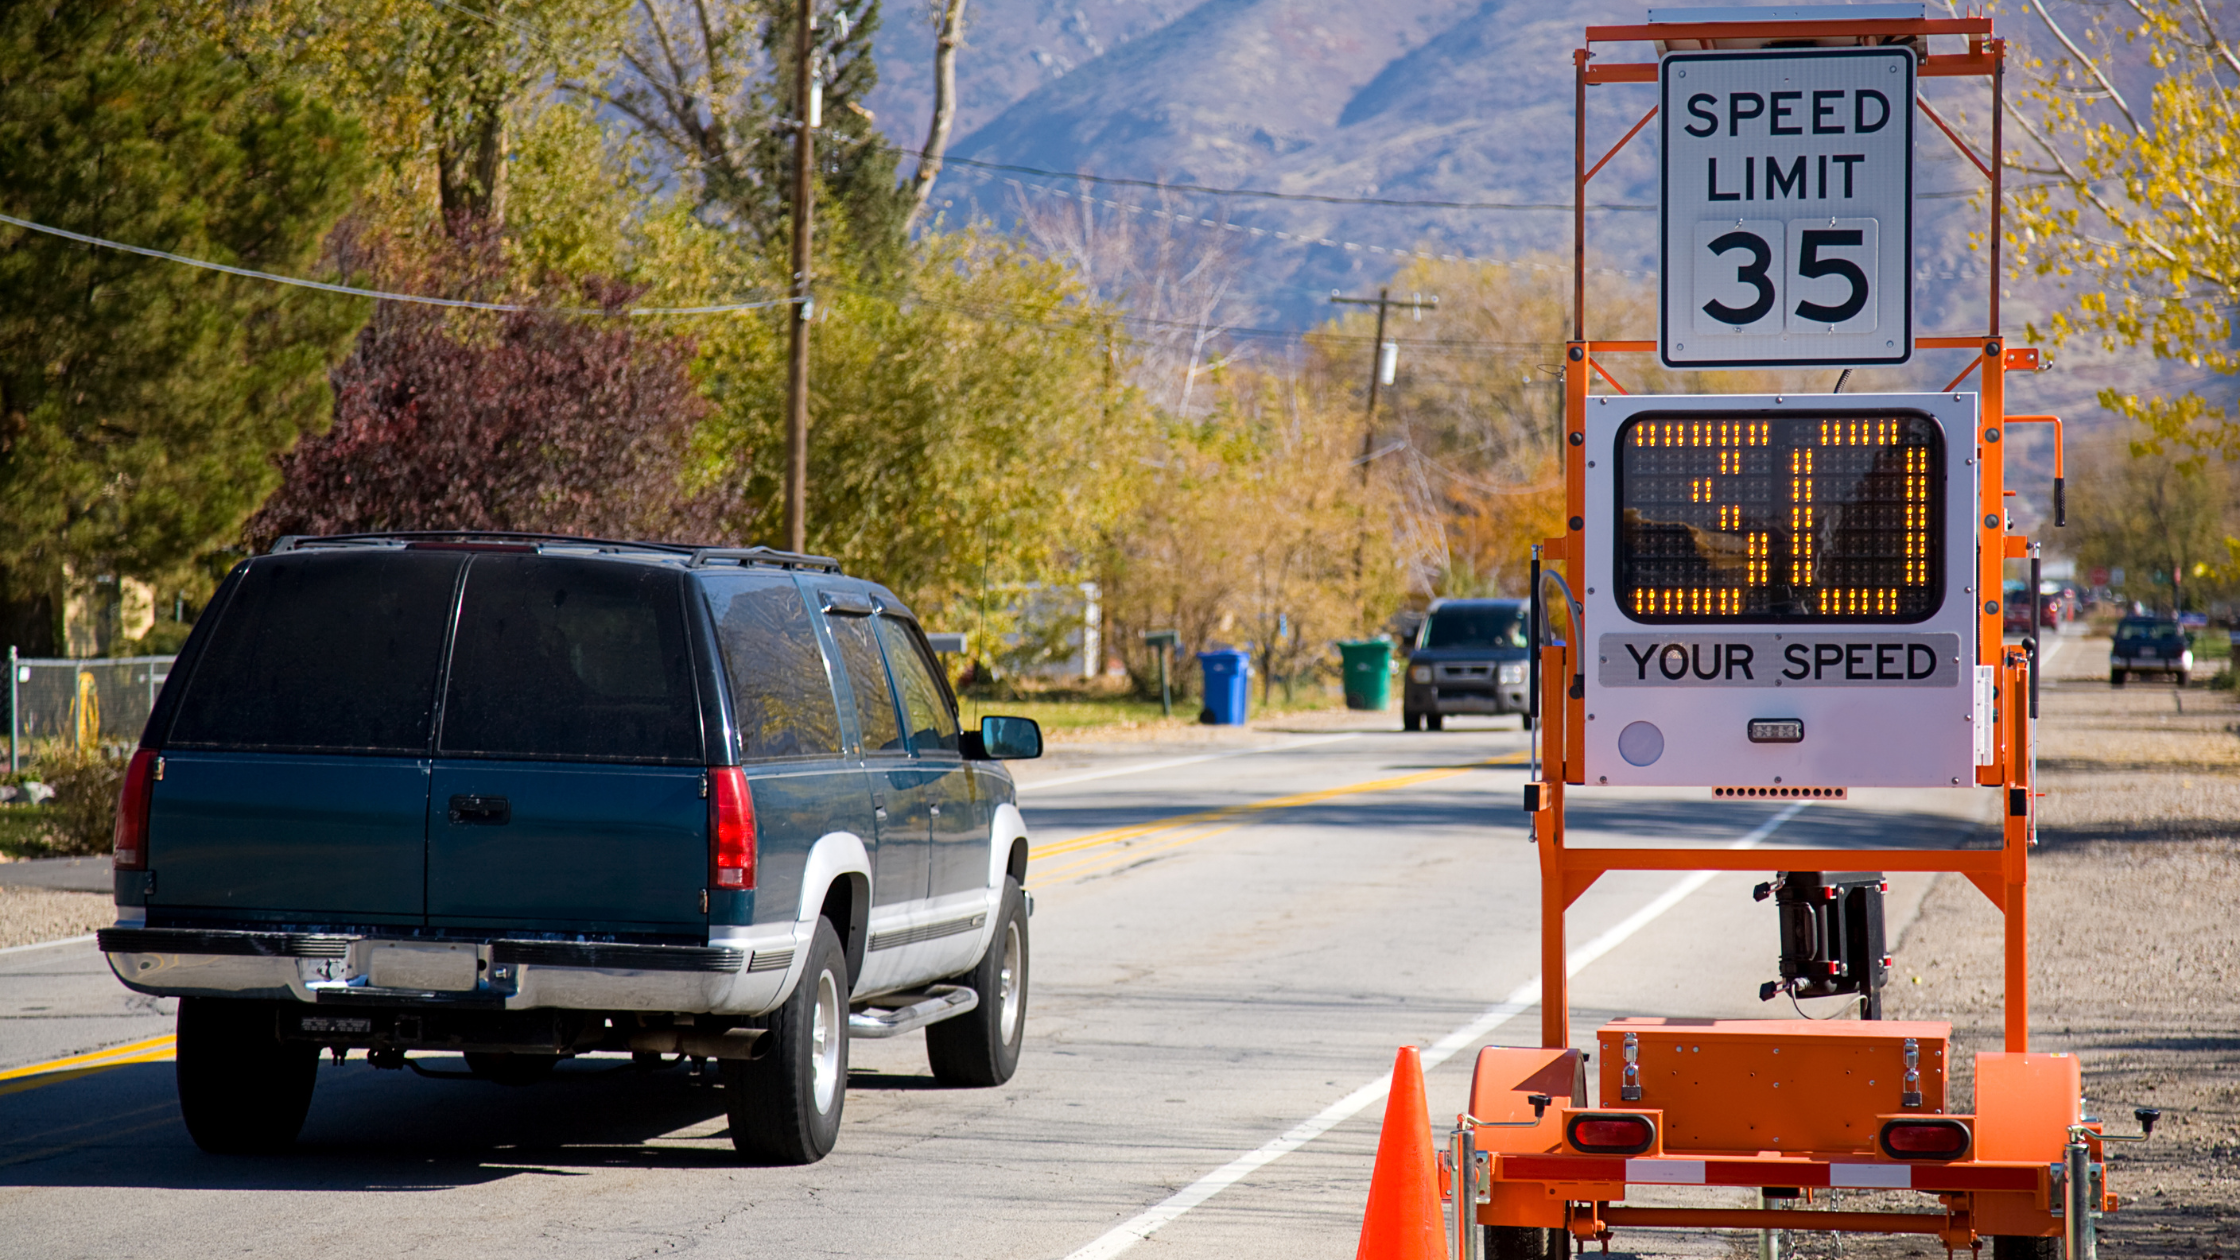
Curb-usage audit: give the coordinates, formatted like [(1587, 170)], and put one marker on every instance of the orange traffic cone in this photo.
[(1403, 1221)]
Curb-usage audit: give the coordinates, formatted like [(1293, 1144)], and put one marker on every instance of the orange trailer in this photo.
[(1789, 1108)]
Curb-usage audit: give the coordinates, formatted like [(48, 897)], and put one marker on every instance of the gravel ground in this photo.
[(2135, 957), (30, 915)]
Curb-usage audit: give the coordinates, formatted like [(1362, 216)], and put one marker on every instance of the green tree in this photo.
[(444, 88), (2167, 522), (141, 401), (970, 421), (711, 87)]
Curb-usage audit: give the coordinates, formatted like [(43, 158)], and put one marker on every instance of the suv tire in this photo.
[(2115, 677), (2016, 1247), (785, 1105), (981, 1047), (1434, 721), (1411, 720), (242, 1090)]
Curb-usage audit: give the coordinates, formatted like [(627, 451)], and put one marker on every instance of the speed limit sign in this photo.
[(1787, 198)]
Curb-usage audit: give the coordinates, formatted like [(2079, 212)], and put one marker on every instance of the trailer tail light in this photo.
[(1925, 1139), (731, 828), (1611, 1133), (131, 834)]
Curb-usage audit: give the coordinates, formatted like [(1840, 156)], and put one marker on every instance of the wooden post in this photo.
[(804, 206)]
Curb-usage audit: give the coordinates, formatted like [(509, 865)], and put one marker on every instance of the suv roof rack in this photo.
[(702, 556), (694, 555)]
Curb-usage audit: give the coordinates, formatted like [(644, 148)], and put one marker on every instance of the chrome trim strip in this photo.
[(895, 938), (142, 940), (619, 957)]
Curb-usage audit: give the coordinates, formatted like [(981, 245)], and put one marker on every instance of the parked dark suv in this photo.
[(527, 797), (2150, 645), (1469, 657)]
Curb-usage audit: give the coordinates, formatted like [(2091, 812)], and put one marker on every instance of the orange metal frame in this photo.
[(2002, 873)]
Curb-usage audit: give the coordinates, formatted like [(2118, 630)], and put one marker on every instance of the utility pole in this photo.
[(806, 102), (1384, 356)]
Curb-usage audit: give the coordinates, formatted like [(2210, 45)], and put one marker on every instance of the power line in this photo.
[(1302, 239), (996, 312), (381, 295), (1281, 196)]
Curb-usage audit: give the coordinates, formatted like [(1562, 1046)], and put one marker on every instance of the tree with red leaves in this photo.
[(537, 420)]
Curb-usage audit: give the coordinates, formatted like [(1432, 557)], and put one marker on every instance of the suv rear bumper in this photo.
[(744, 975)]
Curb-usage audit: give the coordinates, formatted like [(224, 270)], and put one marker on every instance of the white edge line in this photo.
[(1142, 1225), (1066, 780), (74, 940)]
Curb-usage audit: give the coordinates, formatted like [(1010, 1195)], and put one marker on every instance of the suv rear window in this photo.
[(320, 652), (558, 657), (781, 696), (1475, 628)]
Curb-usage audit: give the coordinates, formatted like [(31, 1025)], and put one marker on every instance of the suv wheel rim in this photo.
[(1010, 983), (824, 1044)]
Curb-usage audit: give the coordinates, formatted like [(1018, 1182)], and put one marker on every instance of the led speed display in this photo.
[(1756, 518)]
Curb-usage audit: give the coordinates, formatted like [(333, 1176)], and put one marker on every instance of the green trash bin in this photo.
[(1368, 673)]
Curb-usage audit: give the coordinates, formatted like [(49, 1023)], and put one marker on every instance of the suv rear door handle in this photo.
[(486, 811)]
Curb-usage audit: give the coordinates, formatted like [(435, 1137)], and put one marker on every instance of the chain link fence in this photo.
[(80, 704)]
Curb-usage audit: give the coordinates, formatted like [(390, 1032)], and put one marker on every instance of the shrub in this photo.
[(83, 818)]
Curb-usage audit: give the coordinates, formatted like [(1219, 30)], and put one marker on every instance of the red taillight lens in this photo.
[(1925, 1139), (131, 835), (731, 827), (1603, 1134)]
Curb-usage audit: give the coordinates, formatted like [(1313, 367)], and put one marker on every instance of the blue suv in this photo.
[(524, 797)]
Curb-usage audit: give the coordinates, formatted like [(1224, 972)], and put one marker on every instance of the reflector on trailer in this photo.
[(1925, 1139), (1610, 1133)]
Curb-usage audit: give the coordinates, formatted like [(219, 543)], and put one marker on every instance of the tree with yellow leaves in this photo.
[(2135, 197)]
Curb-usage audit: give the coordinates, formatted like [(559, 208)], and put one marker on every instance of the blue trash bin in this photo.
[(1227, 674)]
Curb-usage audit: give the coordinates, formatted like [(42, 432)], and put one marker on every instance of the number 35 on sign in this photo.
[(1787, 203)]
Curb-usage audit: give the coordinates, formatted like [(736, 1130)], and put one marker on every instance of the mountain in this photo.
[(1408, 100)]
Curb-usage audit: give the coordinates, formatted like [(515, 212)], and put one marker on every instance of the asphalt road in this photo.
[(1229, 942)]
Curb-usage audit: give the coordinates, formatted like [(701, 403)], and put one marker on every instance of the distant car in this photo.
[(1469, 657), (2017, 619), (2150, 645), (526, 797)]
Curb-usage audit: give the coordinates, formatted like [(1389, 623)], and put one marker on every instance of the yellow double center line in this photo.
[(78, 1066), (1101, 851)]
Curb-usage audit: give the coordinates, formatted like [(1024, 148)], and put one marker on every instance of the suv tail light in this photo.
[(1606, 1133), (1925, 1139), (731, 828), (131, 835)]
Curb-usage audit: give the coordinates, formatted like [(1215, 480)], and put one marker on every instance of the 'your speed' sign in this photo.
[(1788, 208)]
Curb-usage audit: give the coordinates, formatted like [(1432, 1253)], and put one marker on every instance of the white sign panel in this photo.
[(1779, 591), (1788, 208)]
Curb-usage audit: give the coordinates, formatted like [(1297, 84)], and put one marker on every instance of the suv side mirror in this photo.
[(1004, 739)]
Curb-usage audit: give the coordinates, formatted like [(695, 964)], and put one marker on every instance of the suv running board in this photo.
[(934, 1004)]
